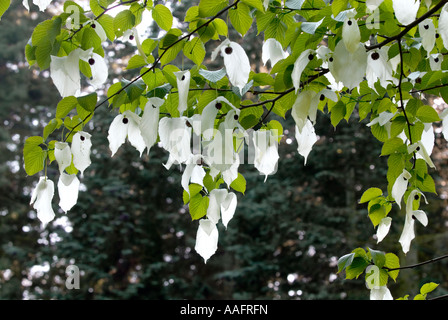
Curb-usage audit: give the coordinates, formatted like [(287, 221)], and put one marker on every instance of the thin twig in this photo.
[(418, 264)]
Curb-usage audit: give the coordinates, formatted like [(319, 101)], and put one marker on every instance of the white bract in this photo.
[(408, 233), (80, 148), (175, 137), (405, 10), (348, 67), (351, 36), (266, 152), (42, 4), (125, 125), (300, 65), (68, 188), (64, 71), (209, 116), (206, 239), (428, 34), (305, 106), (272, 50), (183, 87), (149, 123), (63, 155), (372, 5), (380, 293), (379, 68), (222, 205), (383, 228), (236, 62), (306, 138), (435, 61), (41, 200), (95, 25), (400, 186), (194, 172)]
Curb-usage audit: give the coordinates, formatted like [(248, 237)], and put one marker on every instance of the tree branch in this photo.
[(418, 264)]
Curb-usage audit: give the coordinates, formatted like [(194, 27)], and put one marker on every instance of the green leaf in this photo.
[(51, 126), (428, 287), (163, 17), (345, 261), (88, 102), (34, 156), (198, 206), (241, 18), (239, 184), (107, 22), (356, 268), (123, 21), (392, 262), (66, 105), (337, 113), (393, 145), (136, 61), (378, 257), (257, 4), (337, 6), (370, 194), (4, 5), (427, 114), (209, 8), (134, 89), (195, 50)]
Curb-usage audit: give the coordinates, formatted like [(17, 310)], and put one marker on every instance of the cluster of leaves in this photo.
[(399, 118)]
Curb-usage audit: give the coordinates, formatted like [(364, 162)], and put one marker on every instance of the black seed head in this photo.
[(416, 197), (91, 61), (218, 105), (228, 50), (93, 25), (426, 27), (349, 22), (82, 138), (125, 120), (436, 60), (418, 149), (183, 78), (418, 80), (188, 124), (310, 57), (405, 179), (413, 217), (131, 37), (331, 59), (437, 35), (235, 117), (322, 97), (375, 56)]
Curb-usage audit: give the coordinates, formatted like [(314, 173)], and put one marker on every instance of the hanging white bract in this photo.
[(379, 68), (400, 186), (206, 239), (443, 25), (236, 62), (183, 87), (272, 50), (80, 148), (406, 10), (149, 123), (300, 65), (408, 233), (175, 137), (41, 200), (428, 34), (350, 32), (383, 228), (42, 4), (68, 188), (63, 155), (125, 125), (306, 138), (348, 67), (64, 72), (266, 152)]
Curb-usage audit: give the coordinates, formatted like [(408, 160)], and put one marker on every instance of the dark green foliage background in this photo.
[(133, 238)]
